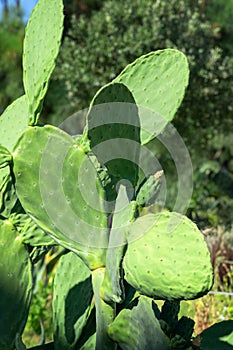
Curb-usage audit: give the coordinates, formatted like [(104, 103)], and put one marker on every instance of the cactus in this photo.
[(138, 328), (85, 193), (42, 174), (72, 295), (177, 259), (112, 287), (15, 285), (13, 122), (157, 81), (149, 189), (29, 232), (218, 336), (41, 46), (113, 129)]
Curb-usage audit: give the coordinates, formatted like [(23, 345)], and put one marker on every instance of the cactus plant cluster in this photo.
[(86, 194)]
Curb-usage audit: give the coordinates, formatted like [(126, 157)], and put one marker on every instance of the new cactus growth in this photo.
[(85, 194)]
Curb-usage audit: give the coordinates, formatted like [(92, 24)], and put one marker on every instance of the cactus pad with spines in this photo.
[(54, 189), (13, 122), (5, 157), (71, 301), (8, 197), (157, 82), (29, 232), (148, 191), (114, 131), (41, 45), (112, 288), (138, 328), (167, 258), (15, 285)]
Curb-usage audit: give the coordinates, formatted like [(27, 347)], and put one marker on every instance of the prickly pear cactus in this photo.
[(72, 301), (149, 189), (112, 288), (67, 200), (41, 45), (113, 128), (218, 336), (29, 232), (167, 258), (157, 81), (15, 285), (138, 328), (13, 122)]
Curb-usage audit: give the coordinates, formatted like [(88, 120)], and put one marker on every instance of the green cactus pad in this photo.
[(5, 157), (112, 288), (41, 45), (138, 328), (29, 232), (105, 313), (8, 196), (149, 190), (59, 188), (169, 316), (13, 122), (185, 328), (15, 285), (218, 336), (71, 301), (114, 131), (157, 82), (167, 258)]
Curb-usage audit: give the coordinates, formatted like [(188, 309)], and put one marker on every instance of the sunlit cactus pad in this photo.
[(59, 188), (167, 258)]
